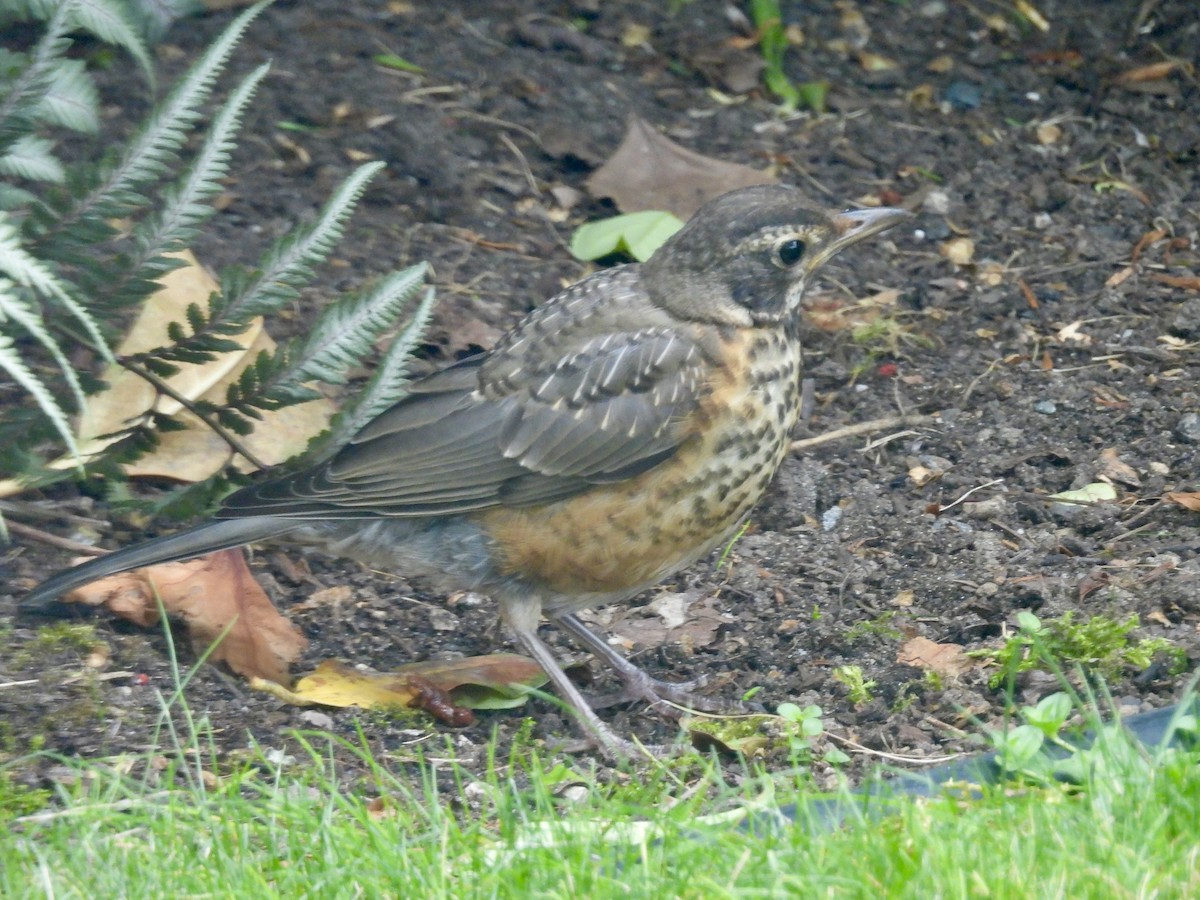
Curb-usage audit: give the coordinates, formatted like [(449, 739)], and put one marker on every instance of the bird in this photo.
[(615, 435)]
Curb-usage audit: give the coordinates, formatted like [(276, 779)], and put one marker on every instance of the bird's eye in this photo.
[(789, 252)]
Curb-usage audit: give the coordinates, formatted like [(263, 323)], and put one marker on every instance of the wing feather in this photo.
[(510, 427)]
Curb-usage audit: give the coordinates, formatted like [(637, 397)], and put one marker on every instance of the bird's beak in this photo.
[(855, 224)]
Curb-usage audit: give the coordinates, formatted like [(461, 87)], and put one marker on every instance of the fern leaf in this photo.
[(31, 272), (116, 191), (26, 92), (346, 330), (14, 365), (31, 157), (109, 21), (289, 262), (183, 206), (70, 100), (13, 306), (388, 384)]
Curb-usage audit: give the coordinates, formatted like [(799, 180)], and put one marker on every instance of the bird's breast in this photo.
[(631, 534)]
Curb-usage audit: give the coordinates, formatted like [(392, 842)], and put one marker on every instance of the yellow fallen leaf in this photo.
[(478, 682)]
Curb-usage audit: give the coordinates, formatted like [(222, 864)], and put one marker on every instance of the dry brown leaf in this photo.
[(694, 625), (945, 659), (1186, 499), (195, 452), (1115, 469), (210, 594), (1152, 72), (649, 171)]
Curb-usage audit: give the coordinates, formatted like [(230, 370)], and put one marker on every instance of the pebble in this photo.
[(963, 95), (1045, 407), (831, 517), (317, 719), (1188, 428), (1186, 321)]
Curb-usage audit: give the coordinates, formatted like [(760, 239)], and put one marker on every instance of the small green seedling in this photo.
[(854, 679)]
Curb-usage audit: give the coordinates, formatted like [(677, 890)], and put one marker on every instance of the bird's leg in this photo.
[(522, 617), (638, 684)]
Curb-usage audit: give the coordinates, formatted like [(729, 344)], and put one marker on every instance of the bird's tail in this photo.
[(207, 538)]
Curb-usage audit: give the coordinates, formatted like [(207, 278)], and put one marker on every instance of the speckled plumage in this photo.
[(618, 433)]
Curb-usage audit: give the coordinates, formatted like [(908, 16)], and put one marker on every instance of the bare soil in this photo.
[(1048, 360)]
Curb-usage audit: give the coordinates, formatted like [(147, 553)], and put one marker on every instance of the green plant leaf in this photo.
[(639, 234)]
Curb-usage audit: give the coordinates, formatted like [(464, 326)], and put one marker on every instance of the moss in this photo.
[(17, 800), (54, 639)]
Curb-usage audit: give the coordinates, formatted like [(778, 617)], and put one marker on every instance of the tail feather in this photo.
[(207, 538)]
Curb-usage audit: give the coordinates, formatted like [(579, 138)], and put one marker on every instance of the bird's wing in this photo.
[(498, 429)]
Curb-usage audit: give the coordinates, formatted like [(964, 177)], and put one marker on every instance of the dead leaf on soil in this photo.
[(649, 171), (1112, 467), (676, 619), (945, 659), (195, 452), (1187, 499), (497, 681), (209, 594), (1152, 72)]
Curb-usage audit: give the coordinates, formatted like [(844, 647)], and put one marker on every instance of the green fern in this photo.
[(62, 274)]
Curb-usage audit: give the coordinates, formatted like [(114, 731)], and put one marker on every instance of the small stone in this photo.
[(1188, 428), (1045, 407), (1186, 321), (317, 719), (963, 95), (575, 793), (936, 202), (442, 619)]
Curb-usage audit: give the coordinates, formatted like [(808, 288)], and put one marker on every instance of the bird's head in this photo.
[(746, 257)]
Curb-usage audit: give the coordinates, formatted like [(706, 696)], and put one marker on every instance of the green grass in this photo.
[(181, 821), (307, 829)]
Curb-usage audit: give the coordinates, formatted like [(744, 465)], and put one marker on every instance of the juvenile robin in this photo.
[(617, 434)]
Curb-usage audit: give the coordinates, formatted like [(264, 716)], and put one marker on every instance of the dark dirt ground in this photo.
[(1030, 146)]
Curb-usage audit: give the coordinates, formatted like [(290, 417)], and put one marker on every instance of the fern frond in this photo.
[(109, 21), (389, 382), (15, 307), (14, 365), (70, 100), (346, 330), (289, 262), (116, 190), (32, 158), (31, 272), (27, 91), (183, 205)]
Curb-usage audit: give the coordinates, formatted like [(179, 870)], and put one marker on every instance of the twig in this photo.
[(236, 445), (850, 431), (47, 514), (980, 487), (54, 540), (894, 757)]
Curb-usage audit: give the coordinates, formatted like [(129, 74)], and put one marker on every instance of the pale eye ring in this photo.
[(787, 253)]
